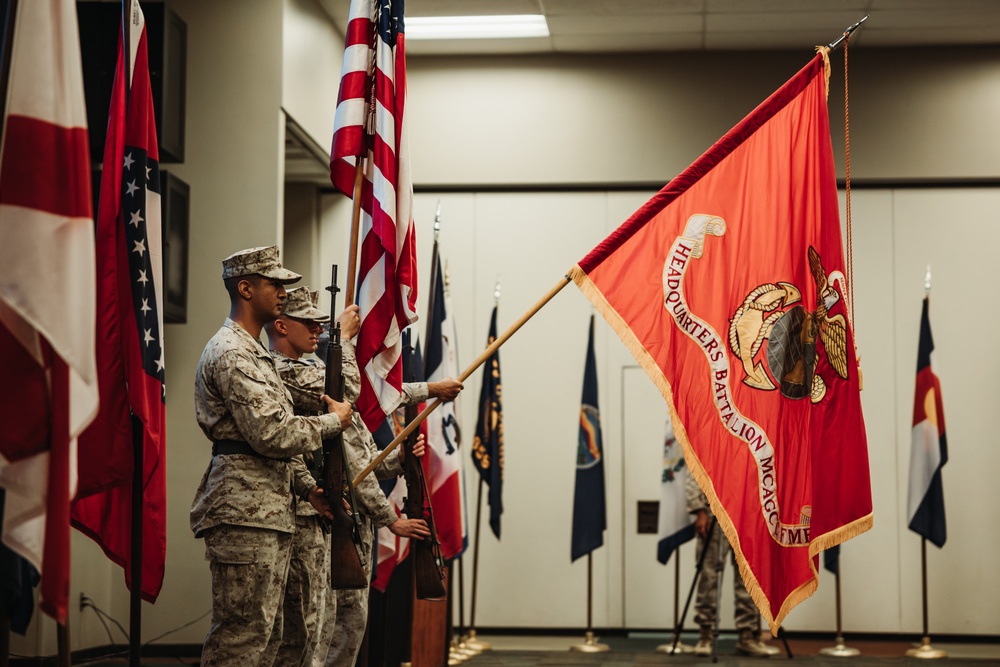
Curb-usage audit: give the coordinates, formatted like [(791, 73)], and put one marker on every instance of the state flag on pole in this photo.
[(929, 449), (442, 462), (590, 516), (676, 524), (728, 288), (487, 443), (130, 322), (48, 378), (370, 124)]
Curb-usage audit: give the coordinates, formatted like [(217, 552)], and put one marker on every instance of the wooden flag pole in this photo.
[(486, 354), (352, 260)]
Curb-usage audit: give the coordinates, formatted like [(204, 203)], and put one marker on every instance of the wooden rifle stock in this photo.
[(346, 569), (428, 562)]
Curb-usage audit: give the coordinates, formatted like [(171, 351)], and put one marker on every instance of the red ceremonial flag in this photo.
[(48, 382), (728, 287), (370, 123), (130, 322)]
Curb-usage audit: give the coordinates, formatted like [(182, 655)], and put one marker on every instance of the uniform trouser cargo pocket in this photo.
[(234, 575)]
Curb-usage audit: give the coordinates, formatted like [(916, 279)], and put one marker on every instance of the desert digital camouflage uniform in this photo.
[(307, 591), (747, 617), (346, 611), (244, 505)]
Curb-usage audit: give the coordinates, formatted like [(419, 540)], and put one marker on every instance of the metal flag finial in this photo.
[(835, 43), (496, 290), (927, 280), (437, 220)]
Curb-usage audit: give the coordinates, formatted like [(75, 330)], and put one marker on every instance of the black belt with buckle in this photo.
[(226, 447)]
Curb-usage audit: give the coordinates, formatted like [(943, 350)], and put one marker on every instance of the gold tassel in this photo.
[(825, 50)]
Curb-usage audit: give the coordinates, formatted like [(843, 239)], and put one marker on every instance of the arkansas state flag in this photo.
[(130, 322), (929, 451), (728, 287)]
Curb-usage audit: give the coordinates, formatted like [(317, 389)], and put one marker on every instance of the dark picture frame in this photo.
[(176, 203)]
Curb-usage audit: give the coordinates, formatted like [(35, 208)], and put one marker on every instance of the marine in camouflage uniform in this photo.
[(345, 613), (244, 505), (307, 592), (747, 617)]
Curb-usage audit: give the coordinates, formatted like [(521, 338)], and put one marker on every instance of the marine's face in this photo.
[(302, 335), (268, 298)]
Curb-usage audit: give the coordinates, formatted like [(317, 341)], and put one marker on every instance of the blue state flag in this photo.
[(487, 443), (589, 508)]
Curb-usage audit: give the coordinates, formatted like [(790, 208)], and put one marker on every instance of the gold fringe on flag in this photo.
[(648, 364)]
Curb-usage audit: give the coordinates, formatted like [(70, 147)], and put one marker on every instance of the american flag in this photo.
[(370, 123), (130, 324)]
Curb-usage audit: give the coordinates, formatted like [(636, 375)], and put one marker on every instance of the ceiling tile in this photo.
[(622, 25)]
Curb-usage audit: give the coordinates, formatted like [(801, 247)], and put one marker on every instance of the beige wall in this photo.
[(593, 121), (641, 119)]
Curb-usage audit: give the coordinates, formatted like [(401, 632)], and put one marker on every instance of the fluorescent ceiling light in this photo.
[(476, 27)]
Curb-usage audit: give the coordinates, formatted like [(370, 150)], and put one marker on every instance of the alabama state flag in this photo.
[(729, 288)]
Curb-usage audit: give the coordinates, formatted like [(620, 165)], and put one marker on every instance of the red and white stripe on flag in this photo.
[(48, 384), (374, 79), (391, 549)]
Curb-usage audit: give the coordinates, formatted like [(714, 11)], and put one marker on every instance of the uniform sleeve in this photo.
[(369, 494), (414, 392), (695, 499), (264, 421), (352, 376), (302, 479), (305, 382)]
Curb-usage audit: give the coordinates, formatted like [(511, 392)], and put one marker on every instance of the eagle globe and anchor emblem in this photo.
[(774, 312)]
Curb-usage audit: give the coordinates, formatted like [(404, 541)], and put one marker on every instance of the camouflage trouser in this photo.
[(352, 612), (305, 593), (747, 617), (249, 568)]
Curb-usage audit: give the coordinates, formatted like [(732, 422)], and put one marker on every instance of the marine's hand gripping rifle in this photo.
[(428, 562), (346, 570)]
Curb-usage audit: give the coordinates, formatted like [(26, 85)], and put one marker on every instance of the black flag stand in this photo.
[(590, 643), (676, 646), (471, 641), (925, 650), (839, 649)]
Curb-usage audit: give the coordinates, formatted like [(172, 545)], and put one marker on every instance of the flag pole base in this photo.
[(476, 644), (926, 651), (840, 649), (590, 645), (670, 649)]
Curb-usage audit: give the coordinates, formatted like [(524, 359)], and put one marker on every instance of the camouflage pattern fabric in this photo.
[(351, 614), (747, 617), (239, 396), (262, 261), (249, 568), (306, 593)]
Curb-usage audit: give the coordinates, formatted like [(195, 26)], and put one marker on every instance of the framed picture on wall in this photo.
[(175, 199)]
